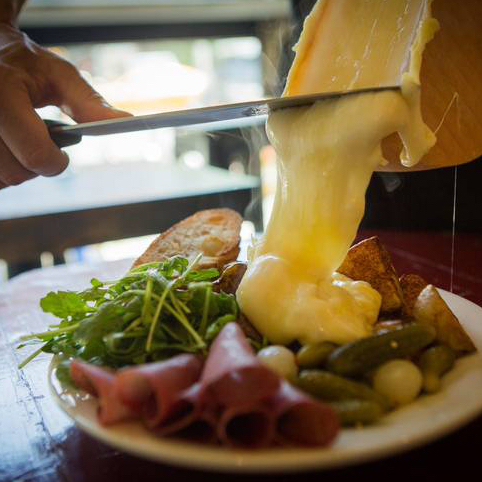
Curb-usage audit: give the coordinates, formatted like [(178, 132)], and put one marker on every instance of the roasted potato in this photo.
[(430, 308), (369, 261), (412, 285), (249, 330), (230, 278)]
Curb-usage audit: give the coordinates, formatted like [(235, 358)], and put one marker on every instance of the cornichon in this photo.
[(330, 387), (361, 356), (434, 362), (312, 356), (353, 412)]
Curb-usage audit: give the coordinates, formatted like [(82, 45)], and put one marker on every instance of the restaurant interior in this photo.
[(121, 190), (163, 55)]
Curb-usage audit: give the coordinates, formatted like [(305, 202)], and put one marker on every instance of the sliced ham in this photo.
[(100, 382), (185, 412), (153, 389), (232, 374), (195, 425), (246, 427), (301, 420), (234, 398)]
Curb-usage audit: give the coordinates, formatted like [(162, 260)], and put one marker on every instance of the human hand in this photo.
[(31, 77)]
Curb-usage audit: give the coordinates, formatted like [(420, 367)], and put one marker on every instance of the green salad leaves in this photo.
[(152, 313)]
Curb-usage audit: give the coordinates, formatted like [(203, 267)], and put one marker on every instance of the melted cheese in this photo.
[(326, 155)]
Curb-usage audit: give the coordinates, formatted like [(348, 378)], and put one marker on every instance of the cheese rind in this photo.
[(347, 44)]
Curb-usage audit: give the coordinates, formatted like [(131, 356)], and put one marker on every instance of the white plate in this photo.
[(422, 421)]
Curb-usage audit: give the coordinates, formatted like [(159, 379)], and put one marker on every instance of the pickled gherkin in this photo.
[(355, 412), (434, 362), (361, 356), (312, 356), (328, 386)]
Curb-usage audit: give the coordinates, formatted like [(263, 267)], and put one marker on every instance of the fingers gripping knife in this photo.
[(66, 135)]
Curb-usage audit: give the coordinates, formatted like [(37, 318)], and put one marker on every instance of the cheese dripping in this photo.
[(326, 155)]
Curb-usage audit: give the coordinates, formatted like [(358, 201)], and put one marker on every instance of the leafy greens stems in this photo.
[(153, 312), (202, 328), (30, 358), (50, 332), (179, 315)]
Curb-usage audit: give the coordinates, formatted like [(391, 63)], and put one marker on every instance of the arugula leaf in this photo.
[(96, 294), (215, 327), (203, 275), (175, 265), (108, 318), (63, 304), (96, 283), (153, 312), (226, 303), (94, 351), (197, 296)]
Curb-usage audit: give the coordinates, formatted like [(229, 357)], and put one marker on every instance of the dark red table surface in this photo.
[(39, 443)]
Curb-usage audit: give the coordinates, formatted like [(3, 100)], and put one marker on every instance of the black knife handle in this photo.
[(61, 139)]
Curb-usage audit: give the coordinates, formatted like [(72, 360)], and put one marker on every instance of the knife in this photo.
[(67, 135)]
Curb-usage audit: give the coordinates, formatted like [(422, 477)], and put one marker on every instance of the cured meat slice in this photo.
[(186, 411), (234, 398), (247, 427), (192, 420), (233, 375), (202, 429), (153, 389), (301, 420), (100, 382)]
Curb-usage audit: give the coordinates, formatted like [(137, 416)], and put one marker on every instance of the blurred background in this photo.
[(148, 56), (145, 57)]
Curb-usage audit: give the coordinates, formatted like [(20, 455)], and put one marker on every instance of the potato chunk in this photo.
[(369, 261), (412, 285), (430, 308)]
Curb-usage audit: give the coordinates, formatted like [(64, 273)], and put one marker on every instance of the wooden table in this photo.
[(39, 443), (107, 202)]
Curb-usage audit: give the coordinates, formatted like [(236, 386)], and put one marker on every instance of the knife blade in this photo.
[(65, 135)]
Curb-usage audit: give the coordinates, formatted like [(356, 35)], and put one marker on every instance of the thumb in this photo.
[(81, 101)]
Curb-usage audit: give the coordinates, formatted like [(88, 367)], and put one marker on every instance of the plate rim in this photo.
[(275, 460)]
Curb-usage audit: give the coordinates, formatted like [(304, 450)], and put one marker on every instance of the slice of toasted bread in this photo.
[(412, 285), (430, 308), (213, 232), (369, 261)]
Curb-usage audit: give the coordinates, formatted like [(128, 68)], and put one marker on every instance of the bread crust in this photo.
[(213, 232)]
